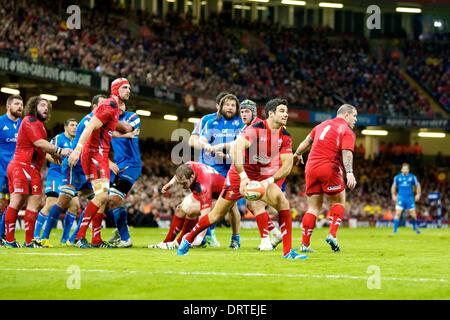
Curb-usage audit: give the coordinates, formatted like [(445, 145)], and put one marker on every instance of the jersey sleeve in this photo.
[(286, 145), (54, 141), (34, 130), (206, 131), (103, 113), (312, 134), (395, 181), (205, 194), (199, 126), (250, 134), (134, 121), (348, 140), (416, 181)]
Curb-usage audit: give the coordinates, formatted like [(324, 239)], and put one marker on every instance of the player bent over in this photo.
[(93, 146), (259, 145), (333, 142), (405, 191), (205, 184)]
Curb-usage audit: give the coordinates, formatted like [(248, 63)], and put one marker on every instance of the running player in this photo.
[(24, 171), (128, 159), (194, 142), (265, 224), (405, 191), (53, 181), (205, 184), (253, 156), (9, 128), (94, 146), (333, 142)]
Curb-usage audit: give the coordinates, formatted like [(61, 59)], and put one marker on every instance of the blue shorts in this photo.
[(74, 176), (53, 183), (128, 173), (405, 204), (283, 186), (3, 186)]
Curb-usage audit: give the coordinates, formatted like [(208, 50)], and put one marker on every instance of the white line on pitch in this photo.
[(50, 254), (236, 274)]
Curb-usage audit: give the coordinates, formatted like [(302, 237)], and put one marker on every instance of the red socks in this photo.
[(308, 224), (202, 224), (336, 215), (175, 227), (262, 220), (285, 221), (10, 223), (187, 226), (270, 224), (96, 228), (90, 210), (30, 222)]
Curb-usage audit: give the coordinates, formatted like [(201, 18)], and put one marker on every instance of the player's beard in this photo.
[(42, 117), (225, 115), (17, 113)]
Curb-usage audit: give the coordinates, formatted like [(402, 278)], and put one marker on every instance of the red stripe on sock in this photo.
[(285, 221)]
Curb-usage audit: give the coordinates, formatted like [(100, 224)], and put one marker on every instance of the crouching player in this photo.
[(205, 184), (252, 158)]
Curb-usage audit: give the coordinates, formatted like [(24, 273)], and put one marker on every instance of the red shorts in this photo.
[(95, 166), (326, 178), (232, 183), (24, 178)]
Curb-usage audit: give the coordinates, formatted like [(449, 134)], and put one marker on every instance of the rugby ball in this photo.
[(255, 191)]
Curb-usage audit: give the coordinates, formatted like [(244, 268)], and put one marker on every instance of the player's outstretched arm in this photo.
[(418, 191), (347, 159), (168, 185), (237, 158), (302, 147), (51, 148), (123, 127), (94, 124)]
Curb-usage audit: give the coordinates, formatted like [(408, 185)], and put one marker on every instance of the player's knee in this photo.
[(114, 202), (101, 198), (74, 207)]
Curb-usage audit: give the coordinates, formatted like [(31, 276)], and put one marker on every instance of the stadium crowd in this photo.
[(259, 62)]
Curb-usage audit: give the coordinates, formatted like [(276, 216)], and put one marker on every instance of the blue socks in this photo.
[(414, 224), (2, 223), (69, 219), (40, 221), (120, 219), (74, 234), (210, 230), (396, 224), (236, 237), (52, 219)]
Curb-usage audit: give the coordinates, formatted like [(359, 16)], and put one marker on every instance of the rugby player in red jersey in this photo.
[(24, 171), (333, 142), (205, 184), (93, 147), (254, 156), (265, 224)]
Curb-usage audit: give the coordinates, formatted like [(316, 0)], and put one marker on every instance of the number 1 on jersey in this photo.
[(324, 132)]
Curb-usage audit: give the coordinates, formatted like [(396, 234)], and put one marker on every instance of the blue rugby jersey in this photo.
[(126, 150), (9, 130)]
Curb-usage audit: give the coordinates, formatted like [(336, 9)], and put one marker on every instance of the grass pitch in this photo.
[(409, 266)]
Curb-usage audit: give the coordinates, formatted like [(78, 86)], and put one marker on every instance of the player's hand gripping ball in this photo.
[(255, 191)]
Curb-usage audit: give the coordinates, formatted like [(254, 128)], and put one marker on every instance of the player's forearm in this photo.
[(124, 127), (285, 169), (303, 146), (194, 142), (237, 156), (46, 146), (347, 160)]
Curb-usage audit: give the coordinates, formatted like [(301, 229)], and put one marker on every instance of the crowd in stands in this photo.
[(429, 62), (311, 68)]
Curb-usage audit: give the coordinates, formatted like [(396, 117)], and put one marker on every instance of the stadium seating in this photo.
[(311, 68)]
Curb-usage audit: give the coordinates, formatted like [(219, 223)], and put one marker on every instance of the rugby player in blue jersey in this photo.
[(405, 192)]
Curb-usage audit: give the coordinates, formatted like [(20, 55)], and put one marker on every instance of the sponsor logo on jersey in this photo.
[(5, 128), (261, 159)]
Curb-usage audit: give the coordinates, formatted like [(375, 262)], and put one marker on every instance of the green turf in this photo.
[(412, 267)]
